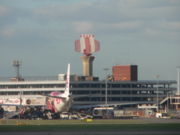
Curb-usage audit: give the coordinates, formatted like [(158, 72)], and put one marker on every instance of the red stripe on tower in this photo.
[(77, 46), (87, 44), (87, 50)]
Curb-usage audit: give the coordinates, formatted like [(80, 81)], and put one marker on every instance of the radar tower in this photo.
[(87, 45)]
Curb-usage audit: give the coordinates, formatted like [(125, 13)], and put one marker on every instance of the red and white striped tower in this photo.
[(87, 45)]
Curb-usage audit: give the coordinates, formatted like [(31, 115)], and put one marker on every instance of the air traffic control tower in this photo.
[(87, 45)]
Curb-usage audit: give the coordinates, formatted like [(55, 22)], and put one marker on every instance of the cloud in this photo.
[(105, 11), (8, 32), (11, 16), (3, 10), (126, 25), (163, 30), (113, 27), (152, 32), (60, 10), (83, 27), (98, 15), (171, 25), (161, 35)]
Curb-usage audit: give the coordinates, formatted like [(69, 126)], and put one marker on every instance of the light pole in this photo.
[(157, 93), (17, 64), (167, 109), (106, 85), (178, 87)]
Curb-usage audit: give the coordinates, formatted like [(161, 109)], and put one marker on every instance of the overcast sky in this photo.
[(41, 34)]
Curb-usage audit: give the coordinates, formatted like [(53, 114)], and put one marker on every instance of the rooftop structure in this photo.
[(125, 73)]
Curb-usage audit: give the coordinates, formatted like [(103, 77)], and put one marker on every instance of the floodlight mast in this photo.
[(17, 64), (106, 85), (157, 93)]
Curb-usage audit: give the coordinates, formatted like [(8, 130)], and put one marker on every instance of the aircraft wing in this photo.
[(106, 105)]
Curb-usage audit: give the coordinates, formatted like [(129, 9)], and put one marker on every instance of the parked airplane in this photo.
[(60, 102)]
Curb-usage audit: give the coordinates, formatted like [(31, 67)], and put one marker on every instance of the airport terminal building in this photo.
[(89, 92), (121, 88), (102, 92)]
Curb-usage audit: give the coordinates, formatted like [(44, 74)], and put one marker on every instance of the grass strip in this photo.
[(92, 127)]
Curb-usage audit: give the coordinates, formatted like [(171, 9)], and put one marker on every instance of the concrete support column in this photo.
[(87, 63)]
